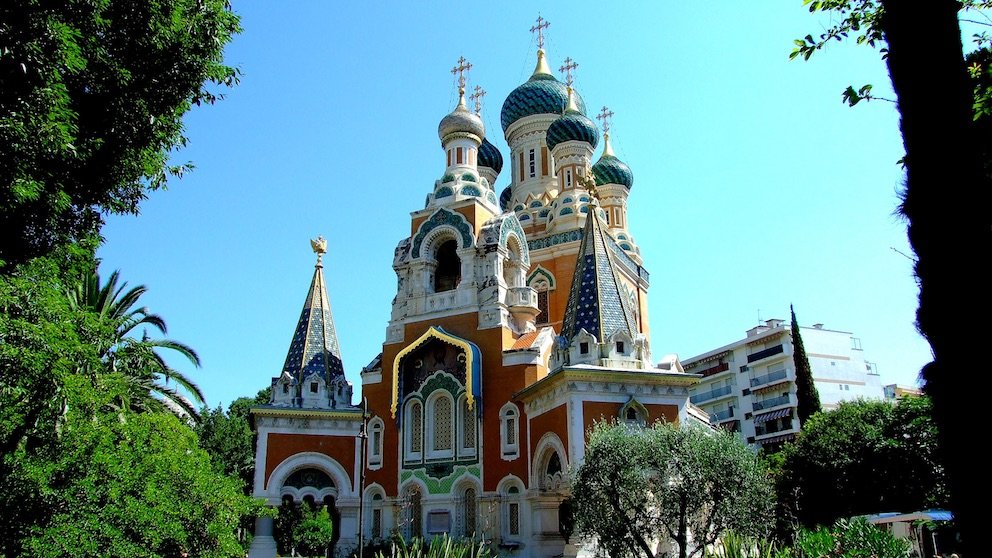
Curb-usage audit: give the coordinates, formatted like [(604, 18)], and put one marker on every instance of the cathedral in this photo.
[(520, 320)]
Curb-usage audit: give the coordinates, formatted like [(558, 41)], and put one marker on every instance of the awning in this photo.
[(896, 517), (758, 419), (773, 386)]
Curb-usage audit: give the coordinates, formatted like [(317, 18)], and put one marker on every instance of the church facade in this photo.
[(520, 319)]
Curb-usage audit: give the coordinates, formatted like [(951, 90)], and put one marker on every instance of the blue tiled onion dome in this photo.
[(541, 94), (504, 199), (572, 126), (610, 170), (489, 156)]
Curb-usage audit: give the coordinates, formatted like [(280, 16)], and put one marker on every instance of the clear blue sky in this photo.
[(754, 186)]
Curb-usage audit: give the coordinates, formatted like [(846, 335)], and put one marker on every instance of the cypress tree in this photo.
[(809, 399)]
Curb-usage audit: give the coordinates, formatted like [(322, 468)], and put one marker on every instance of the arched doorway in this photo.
[(308, 496)]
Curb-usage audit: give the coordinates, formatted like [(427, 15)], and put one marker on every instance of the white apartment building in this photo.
[(749, 386)]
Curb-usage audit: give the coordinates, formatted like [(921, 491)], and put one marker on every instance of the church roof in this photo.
[(595, 301), (315, 344), (541, 94)]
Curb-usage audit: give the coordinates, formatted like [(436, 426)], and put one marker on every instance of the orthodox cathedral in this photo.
[(520, 319)]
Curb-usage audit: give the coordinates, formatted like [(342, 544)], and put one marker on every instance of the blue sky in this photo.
[(754, 186)]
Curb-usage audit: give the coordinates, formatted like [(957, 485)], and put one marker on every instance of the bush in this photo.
[(438, 547), (855, 538)]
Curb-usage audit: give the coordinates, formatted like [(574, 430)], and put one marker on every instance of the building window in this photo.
[(521, 166), (532, 165), (415, 513), (544, 161), (441, 425), (285, 388), (375, 442), (415, 430), (584, 348), (471, 156), (620, 347), (467, 424), (542, 306), (458, 155), (469, 508), (375, 529), (508, 432), (313, 387), (449, 157), (632, 414), (448, 272), (512, 512), (568, 178)]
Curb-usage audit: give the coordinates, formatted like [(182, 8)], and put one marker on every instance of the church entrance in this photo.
[(308, 513)]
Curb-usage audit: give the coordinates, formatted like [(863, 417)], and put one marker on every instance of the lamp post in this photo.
[(363, 436)]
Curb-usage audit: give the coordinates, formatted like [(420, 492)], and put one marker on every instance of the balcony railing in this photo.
[(712, 394), (765, 353), (769, 403), (773, 427), (521, 296), (722, 367), (721, 415), (769, 377)]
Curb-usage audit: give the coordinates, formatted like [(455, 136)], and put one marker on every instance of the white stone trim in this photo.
[(274, 488)]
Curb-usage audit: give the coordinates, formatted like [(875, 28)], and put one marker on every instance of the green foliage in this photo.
[(314, 533), (438, 547), (733, 545), (668, 482), (92, 96), (861, 458), (854, 538), (808, 399), (229, 439)]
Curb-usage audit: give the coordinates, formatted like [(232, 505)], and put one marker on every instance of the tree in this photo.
[(137, 359), (229, 439), (944, 104), (638, 485), (808, 397), (92, 96), (861, 458)]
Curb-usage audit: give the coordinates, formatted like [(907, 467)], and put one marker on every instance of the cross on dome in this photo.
[(462, 67), (604, 117), (567, 67), (476, 96), (542, 24)]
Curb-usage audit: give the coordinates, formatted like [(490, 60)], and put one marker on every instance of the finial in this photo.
[(542, 65), (588, 181), (604, 117), (567, 67), (319, 246), (571, 107), (542, 24), (462, 67), (477, 96)]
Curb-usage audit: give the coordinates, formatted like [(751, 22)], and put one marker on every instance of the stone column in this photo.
[(263, 545)]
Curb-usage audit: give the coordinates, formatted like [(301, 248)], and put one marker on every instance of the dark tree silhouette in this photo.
[(808, 397)]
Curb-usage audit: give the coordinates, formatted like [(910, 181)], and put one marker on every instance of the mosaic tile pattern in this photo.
[(610, 170), (489, 156), (541, 94), (314, 348), (442, 217), (572, 126)]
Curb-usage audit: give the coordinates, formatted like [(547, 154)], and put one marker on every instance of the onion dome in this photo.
[(572, 126), (504, 199), (461, 121), (541, 94), (489, 156), (610, 170)]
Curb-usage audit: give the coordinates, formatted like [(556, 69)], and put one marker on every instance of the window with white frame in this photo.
[(375, 442), (509, 431), (511, 512), (375, 526), (466, 428), (414, 430), (440, 426), (469, 512)]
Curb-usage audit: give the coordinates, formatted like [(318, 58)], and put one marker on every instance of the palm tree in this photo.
[(137, 359)]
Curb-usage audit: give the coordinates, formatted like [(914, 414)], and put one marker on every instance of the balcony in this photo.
[(521, 297), (769, 378), (769, 403), (722, 367), (721, 416), (770, 351), (712, 394)]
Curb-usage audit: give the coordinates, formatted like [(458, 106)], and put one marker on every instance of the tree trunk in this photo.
[(950, 228)]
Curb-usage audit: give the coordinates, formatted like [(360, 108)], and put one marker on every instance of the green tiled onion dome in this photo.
[(610, 170), (572, 126), (461, 120), (490, 157), (541, 94), (504, 199)]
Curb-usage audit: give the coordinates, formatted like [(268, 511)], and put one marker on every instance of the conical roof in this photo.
[(315, 344), (595, 301)]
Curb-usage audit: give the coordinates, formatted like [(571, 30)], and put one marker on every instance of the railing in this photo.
[(721, 415), (770, 377), (769, 403), (765, 353), (773, 427), (521, 296), (722, 367), (712, 394)]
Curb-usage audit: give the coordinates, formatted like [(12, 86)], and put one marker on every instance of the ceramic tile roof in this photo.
[(315, 344)]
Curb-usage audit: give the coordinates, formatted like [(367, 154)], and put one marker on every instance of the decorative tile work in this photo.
[(444, 192), (489, 156), (471, 191), (572, 126), (610, 170), (541, 94), (444, 484), (491, 196), (314, 348), (566, 211), (555, 239), (442, 217), (468, 177), (448, 178)]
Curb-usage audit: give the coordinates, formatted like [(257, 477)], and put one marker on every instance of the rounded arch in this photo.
[(442, 223), (439, 410), (508, 482), (339, 475), (542, 278), (548, 448)]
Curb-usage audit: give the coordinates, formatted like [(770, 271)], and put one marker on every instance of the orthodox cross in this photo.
[(477, 96), (604, 117), (542, 24), (567, 68), (462, 67)]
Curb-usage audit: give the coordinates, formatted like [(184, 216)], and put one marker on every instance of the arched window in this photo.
[(466, 428), (441, 426), (469, 512), (414, 430), (415, 513), (509, 431), (511, 513), (448, 272), (375, 525), (375, 443)]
